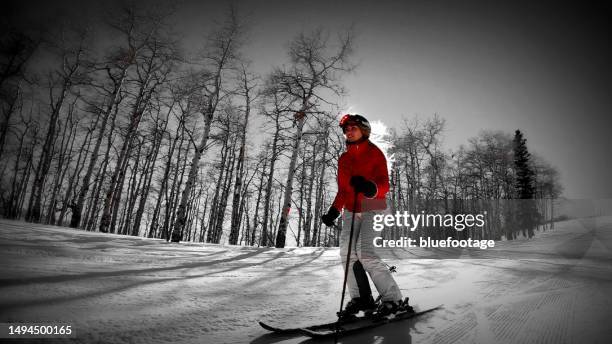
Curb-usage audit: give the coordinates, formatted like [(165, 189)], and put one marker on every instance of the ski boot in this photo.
[(386, 308), (405, 307), (367, 305)]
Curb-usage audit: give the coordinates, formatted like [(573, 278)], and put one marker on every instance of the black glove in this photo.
[(332, 214), (360, 184)]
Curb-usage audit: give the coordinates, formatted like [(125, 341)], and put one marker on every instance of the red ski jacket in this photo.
[(367, 160)]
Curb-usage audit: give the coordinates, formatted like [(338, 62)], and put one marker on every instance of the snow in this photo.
[(554, 288)]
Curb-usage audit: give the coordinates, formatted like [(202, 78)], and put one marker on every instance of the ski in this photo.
[(347, 326), (297, 330), (361, 324)]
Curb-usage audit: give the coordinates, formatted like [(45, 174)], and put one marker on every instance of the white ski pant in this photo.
[(364, 251)]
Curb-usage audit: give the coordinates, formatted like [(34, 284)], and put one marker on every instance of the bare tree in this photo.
[(222, 52), (228, 138), (152, 68), (115, 70), (247, 86), (70, 73), (159, 129), (314, 71), (16, 50), (275, 110)]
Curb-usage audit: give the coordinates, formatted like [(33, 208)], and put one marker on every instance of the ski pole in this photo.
[(348, 255)]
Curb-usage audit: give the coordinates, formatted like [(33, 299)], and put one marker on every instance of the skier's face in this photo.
[(352, 132)]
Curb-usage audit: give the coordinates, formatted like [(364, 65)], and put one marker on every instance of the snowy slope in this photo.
[(555, 288)]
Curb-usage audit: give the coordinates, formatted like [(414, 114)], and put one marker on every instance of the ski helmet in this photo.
[(357, 120)]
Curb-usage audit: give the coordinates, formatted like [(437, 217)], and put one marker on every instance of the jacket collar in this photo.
[(357, 146)]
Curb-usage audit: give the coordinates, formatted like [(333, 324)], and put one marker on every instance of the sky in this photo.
[(539, 66)]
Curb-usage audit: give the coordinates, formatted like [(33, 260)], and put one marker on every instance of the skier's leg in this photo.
[(351, 281), (380, 275), (365, 292)]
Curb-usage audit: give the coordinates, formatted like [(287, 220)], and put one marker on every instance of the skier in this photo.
[(362, 172)]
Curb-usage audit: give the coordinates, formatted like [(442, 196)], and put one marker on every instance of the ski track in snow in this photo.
[(554, 288)]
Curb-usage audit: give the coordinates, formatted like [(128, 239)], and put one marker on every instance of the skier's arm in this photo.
[(344, 187), (381, 175)]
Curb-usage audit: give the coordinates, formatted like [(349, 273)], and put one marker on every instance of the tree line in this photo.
[(137, 136), (493, 174)]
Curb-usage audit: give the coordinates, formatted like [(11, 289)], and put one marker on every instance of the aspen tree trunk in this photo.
[(29, 168), (133, 189), (203, 223), (319, 196), (309, 215), (270, 182), (72, 182), (113, 195), (66, 141), (163, 188), (149, 79), (34, 208), (75, 221), (236, 199), (69, 72), (158, 137), (257, 203), (212, 220), (179, 175), (66, 166), (179, 224), (24, 183), (224, 195), (170, 198), (284, 220), (246, 232), (92, 211), (6, 116), (301, 210), (224, 52), (16, 185), (10, 209), (117, 194)]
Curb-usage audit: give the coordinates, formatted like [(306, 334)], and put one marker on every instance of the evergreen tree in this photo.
[(527, 211), (524, 173)]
